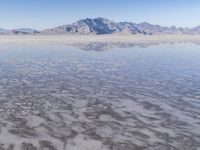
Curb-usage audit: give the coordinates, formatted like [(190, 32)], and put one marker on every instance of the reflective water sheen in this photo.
[(134, 98)]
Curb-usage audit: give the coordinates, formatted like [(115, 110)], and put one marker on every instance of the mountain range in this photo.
[(100, 26)]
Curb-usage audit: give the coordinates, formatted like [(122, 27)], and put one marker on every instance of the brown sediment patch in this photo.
[(28, 146), (47, 145), (25, 132)]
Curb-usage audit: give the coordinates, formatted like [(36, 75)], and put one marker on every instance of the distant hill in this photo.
[(20, 31), (3, 30), (25, 31), (100, 26)]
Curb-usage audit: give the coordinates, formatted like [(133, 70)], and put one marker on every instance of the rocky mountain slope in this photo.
[(105, 26)]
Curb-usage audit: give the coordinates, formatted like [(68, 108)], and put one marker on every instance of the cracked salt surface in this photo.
[(62, 98)]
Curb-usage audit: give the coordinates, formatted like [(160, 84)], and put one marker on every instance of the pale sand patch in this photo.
[(97, 38)]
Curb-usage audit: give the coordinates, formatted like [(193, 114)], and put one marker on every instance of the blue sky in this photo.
[(41, 14)]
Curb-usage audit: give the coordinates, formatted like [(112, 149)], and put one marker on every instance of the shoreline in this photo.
[(81, 39)]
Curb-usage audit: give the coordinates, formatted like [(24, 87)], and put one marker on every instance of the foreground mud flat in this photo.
[(62, 98)]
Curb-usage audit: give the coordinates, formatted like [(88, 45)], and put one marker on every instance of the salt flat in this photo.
[(97, 38)]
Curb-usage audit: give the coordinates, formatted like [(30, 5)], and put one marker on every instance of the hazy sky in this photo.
[(42, 14)]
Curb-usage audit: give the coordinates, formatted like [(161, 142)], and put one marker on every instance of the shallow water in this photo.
[(64, 98)]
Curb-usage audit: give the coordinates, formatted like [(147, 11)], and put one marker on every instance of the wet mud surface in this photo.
[(63, 98)]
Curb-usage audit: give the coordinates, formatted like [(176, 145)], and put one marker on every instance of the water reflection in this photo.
[(104, 46)]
